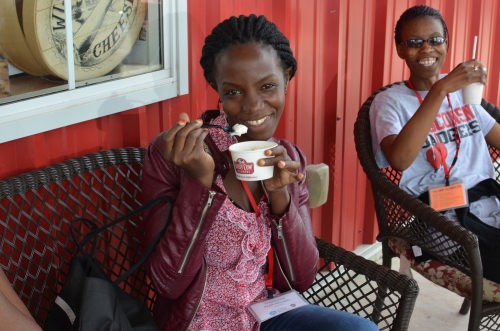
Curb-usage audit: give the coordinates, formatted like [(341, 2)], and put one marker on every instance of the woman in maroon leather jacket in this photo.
[(211, 263)]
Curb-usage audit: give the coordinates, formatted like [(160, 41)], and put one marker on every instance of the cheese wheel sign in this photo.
[(104, 32), (13, 43)]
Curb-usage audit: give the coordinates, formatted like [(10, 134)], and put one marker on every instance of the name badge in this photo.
[(267, 309), (448, 197)]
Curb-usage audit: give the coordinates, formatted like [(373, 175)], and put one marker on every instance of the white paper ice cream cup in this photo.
[(245, 156)]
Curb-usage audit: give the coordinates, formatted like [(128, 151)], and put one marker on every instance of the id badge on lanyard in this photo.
[(448, 197), (267, 309), (274, 305)]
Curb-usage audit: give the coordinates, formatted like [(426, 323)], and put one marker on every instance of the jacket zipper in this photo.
[(211, 195), (199, 301), (281, 237)]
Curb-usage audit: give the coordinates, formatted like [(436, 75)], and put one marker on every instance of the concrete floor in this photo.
[(436, 308)]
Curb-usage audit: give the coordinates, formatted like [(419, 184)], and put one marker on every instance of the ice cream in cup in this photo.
[(245, 156)]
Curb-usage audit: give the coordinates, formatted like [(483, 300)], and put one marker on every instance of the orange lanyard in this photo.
[(270, 256), (440, 146)]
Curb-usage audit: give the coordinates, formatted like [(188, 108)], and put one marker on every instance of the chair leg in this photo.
[(382, 291), (464, 310), (475, 315), (386, 255)]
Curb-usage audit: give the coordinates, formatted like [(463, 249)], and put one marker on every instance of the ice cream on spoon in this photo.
[(239, 129), (236, 130)]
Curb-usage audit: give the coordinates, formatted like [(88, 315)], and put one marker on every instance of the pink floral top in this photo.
[(235, 253)]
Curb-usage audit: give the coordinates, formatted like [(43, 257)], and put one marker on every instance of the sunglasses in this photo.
[(418, 43)]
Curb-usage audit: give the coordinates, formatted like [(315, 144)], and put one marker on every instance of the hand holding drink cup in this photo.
[(473, 93)]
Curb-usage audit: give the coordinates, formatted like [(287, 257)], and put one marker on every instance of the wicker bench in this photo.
[(35, 213)]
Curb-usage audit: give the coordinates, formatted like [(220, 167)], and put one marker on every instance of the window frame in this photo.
[(43, 113)]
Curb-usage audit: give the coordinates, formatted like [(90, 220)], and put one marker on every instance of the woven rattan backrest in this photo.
[(386, 207), (36, 209)]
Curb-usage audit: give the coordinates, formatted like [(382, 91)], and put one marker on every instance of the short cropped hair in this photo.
[(416, 12)]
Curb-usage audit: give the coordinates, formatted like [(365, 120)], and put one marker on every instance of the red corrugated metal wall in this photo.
[(345, 50)]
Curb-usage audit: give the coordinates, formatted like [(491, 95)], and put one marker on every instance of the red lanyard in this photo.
[(440, 146), (270, 256)]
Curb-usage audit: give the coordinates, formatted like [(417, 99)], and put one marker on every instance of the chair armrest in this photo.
[(493, 110), (352, 283), (404, 216)]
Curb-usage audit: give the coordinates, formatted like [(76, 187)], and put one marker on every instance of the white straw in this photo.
[(474, 48)]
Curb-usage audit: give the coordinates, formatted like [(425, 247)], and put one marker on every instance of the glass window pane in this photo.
[(111, 39)]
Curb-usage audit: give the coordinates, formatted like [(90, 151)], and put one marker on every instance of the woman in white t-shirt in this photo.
[(424, 129)]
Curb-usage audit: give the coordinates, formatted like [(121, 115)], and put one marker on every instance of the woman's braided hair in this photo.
[(240, 30), (416, 12)]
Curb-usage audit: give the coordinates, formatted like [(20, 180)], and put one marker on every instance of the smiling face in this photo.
[(251, 84), (424, 63)]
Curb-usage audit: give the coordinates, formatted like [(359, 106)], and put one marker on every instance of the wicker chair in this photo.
[(35, 213), (405, 221)]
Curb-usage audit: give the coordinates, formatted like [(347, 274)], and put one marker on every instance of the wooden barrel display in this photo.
[(12, 40), (104, 32), (4, 77)]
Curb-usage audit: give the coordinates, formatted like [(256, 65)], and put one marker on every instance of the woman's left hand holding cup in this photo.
[(286, 172)]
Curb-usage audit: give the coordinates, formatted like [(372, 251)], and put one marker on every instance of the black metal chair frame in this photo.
[(36, 209), (401, 215)]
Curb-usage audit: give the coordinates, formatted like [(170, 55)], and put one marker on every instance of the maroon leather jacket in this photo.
[(177, 267)]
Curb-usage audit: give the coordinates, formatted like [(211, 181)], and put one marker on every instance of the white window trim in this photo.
[(40, 114)]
